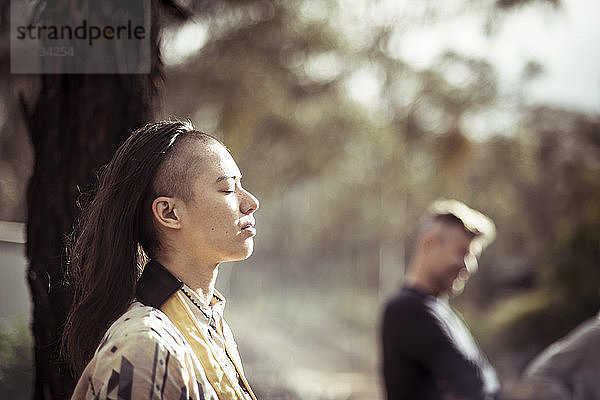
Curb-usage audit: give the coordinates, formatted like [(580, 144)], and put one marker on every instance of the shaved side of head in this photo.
[(441, 225), (177, 172)]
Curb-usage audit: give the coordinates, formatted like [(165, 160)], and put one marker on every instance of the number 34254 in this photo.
[(56, 51)]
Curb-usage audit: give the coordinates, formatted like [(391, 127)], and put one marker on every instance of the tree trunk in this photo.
[(75, 126)]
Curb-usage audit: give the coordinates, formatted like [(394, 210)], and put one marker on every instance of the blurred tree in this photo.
[(274, 76), (75, 124), (540, 278), (556, 192), (15, 154), (342, 183)]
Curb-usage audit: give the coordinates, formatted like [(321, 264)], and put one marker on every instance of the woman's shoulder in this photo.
[(142, 354), (143, 325)]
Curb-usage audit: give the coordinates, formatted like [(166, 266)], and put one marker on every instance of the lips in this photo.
[(248, 225)]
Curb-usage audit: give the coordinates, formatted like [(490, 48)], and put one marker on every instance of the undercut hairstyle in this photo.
[(174, 178), (175, 174), (453, 221), (115, 233), (453, 213)]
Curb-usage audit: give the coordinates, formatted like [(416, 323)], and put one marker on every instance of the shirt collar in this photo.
[(156, 284), (217, 303), (220, 301)]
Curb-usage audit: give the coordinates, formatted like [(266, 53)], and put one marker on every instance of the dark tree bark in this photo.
[(75, 125)]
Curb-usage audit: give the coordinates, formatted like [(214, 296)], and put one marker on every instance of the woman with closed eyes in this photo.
[(147, 321)]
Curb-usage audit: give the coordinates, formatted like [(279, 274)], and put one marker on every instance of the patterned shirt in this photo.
[(210, 318), (144, 356)]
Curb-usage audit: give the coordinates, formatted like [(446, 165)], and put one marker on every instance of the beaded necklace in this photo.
[(189, 296)]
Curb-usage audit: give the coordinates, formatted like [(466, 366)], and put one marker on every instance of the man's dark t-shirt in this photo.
[(429, 354)]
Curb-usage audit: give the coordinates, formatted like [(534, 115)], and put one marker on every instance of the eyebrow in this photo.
[(222, 178)]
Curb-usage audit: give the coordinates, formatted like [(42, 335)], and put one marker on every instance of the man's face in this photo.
[(450, 259)]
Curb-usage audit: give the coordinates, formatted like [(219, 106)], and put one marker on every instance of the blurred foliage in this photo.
[(343, 183), (16, 156), (557, 189), (16, 366)]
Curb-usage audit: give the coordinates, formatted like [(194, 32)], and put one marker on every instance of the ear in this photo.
[(167, 212)]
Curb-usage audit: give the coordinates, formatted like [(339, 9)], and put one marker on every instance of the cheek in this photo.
[(441, 258), (441, 264), (214, 224), (220, 219)]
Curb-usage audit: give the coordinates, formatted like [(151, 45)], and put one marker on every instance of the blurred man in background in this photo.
[(569, 369), (428, 352)]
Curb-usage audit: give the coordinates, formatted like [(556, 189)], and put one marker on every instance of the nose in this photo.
[(249, 204)]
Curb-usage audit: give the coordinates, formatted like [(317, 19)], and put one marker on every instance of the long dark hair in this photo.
[(113, 237)]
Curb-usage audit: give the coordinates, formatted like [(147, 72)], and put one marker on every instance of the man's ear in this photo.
[(167, 212)]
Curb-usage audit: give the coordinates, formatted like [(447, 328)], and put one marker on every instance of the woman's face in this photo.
[(217, 221)]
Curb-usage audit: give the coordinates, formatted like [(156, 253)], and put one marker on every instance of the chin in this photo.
[(246, 256), (242, 254)]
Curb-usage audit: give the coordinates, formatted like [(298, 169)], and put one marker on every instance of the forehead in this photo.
[(453, 233), (212, 160)]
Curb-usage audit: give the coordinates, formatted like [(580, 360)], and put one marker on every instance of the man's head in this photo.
[(451, 237)]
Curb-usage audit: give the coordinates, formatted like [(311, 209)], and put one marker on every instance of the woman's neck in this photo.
[(199, 277)]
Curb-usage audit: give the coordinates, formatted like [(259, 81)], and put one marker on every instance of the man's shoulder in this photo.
[(407, 298), (407, 305)]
